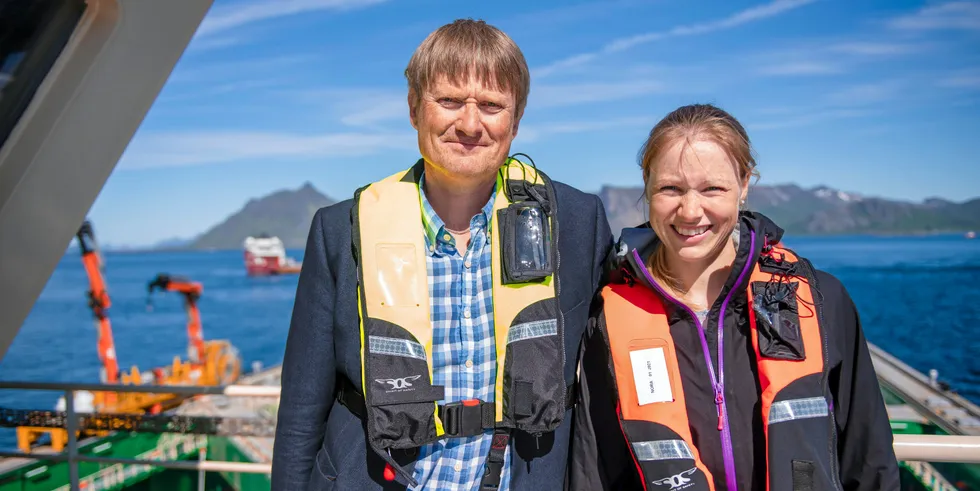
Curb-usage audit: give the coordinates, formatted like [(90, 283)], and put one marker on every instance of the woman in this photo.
[(716, 358)]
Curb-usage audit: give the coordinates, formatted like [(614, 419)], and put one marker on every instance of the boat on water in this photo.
[(266, 255), (77, 79)]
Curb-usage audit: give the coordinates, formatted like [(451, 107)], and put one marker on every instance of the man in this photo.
[(439, 312)]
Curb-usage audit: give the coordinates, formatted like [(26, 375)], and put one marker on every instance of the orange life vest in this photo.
[(790, 352)]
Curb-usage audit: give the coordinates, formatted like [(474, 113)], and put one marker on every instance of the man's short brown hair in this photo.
[(465, 48)]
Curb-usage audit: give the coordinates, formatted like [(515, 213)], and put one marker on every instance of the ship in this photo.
[(77, 78), (266, 255)]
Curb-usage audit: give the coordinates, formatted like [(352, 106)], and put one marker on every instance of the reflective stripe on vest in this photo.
[(396, 331), (794, 409)]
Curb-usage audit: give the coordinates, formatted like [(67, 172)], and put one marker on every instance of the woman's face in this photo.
[(694, 194)]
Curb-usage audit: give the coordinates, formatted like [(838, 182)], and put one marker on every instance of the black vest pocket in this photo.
[(800, 449), (665, 460), (401, 399), (534, 380), (777, 320)]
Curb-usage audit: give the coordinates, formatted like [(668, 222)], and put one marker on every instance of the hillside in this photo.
[(286, 214), (821, 211), (816, 211)]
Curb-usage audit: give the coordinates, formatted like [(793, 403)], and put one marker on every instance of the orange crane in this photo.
[(191, 290), (215, 362), (99, 302)]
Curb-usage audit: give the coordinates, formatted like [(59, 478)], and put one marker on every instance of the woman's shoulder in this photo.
[(829, 282), (833, 295)]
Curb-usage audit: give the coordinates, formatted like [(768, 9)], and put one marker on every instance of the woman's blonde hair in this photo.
[(692, 123)]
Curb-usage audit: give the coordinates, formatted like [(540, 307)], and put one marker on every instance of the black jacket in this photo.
[(319, 444), (601, 459)]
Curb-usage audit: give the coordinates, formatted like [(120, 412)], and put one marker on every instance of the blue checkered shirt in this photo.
[(463, 346)]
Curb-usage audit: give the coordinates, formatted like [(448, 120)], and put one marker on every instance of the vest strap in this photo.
[(494, 465), (467, 417)]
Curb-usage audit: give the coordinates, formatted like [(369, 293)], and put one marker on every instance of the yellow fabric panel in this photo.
[(393, 258)]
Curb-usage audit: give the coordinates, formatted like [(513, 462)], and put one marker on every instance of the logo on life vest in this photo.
[(402, 384), (677, 481)]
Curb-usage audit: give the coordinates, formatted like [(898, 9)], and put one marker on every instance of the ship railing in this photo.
[(72, 456), (908, 448)]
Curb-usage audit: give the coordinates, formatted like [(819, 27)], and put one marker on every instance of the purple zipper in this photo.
[(718, 383)]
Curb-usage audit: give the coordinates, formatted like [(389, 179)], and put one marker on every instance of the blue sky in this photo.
[(876, 97)]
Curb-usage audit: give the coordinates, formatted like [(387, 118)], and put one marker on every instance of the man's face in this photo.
[(464, 130)]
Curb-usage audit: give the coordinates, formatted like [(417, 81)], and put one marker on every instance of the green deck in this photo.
[(48, 476), (965, 477), (52, 476)]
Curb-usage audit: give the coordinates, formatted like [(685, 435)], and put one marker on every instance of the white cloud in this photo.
[(863, 48), (856, 101), (802, 68), (217, 147), (387, 109), (230, 71), (570, 62), (806, 117), (531, 133), (777, 110), (583, 93), (203, 43), (758, 12), (965, 81), (864, 94), (567, 14), (829, 58), (205, 91), (237, 15), (943, 16), (357, 107)]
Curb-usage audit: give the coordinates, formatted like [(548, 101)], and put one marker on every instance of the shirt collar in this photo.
[(436, 235)]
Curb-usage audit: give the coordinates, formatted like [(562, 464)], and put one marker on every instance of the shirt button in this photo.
[(467, 263), (458, 467), (469, 363), (466, 313), (447, 237)]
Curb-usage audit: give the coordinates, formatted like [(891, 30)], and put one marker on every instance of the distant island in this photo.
[(285, 214), (816, 211)]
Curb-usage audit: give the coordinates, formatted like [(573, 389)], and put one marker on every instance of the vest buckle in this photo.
[(491, 475), (469, 417), (495, 460)]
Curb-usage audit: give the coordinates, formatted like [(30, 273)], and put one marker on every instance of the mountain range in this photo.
[(816, 211), (285, 214)]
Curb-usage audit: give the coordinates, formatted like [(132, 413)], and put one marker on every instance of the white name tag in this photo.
[(650, 376)]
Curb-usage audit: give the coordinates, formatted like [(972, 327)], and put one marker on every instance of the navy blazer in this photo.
[(319, 444)]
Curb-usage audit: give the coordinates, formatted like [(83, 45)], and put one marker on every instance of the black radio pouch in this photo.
[(525, 233), (777, 319)]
